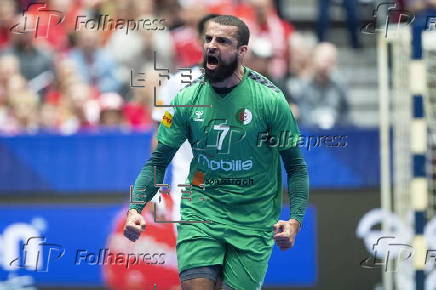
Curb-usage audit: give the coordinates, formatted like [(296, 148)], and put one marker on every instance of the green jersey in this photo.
[(235, 173)]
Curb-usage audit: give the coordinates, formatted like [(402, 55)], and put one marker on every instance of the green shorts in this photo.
[(243, 254)]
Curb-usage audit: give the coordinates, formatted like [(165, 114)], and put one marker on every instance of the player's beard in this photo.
[(222, 71)]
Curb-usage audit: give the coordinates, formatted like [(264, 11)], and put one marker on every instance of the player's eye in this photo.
[(208, 38)]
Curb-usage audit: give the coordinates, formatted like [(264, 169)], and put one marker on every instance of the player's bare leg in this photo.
[(198, 284)]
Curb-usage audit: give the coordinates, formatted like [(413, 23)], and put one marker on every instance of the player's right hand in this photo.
[(135, 224)]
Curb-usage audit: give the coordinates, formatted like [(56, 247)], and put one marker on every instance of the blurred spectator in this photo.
[(66, 76), (9, 67), (36, 64), (259, 56), (48, 118), (111, 114), (59, 34), (52, 29), (63, 117), (68, 121), (70, 104), (171, 11), (240, 8), (300, 66), (184, 38), (265, 24), (18, 104), (259, 59), (300, 61), (351, 6), (142, 43), (137, 112), (87, 86), (95, 66), (24, 104), (419, 6), (7, 19), (86, 105), (321, 99)]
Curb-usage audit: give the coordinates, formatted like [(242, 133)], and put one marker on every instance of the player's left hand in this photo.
[(285, 232)]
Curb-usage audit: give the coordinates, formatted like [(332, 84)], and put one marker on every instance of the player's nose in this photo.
[(212, 45), (212, 50)]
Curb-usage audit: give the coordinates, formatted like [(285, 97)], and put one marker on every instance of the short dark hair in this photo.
[(201, 26), (230, 20)]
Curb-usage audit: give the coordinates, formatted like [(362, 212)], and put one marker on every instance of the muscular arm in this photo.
[(145, 188), (298, 181)]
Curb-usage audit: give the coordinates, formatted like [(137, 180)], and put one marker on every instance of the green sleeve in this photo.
[(298, 182), (145, 188)]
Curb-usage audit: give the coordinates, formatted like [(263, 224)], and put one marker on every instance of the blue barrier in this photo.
[(85, 162), (60, 234), (110, 162), (62, 230), (299, 265), (351, 166)]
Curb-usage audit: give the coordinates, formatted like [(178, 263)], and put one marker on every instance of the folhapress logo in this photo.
[(229, 165), (386, 9), (38, 19), (23, 247)]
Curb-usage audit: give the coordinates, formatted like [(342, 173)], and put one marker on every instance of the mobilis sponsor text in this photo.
[(230, 165), (104, 257)]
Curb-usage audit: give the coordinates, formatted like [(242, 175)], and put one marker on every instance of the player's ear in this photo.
[(243, 50)]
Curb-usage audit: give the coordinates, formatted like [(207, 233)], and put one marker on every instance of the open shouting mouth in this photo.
[(212, 62)]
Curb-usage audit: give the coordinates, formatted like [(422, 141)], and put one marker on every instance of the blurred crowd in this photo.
[(59, 74)]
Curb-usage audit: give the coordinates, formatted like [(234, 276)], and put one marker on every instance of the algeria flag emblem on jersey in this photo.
[(244, 116)]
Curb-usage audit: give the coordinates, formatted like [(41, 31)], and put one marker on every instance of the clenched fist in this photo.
[(135, 224), (285, 232)]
